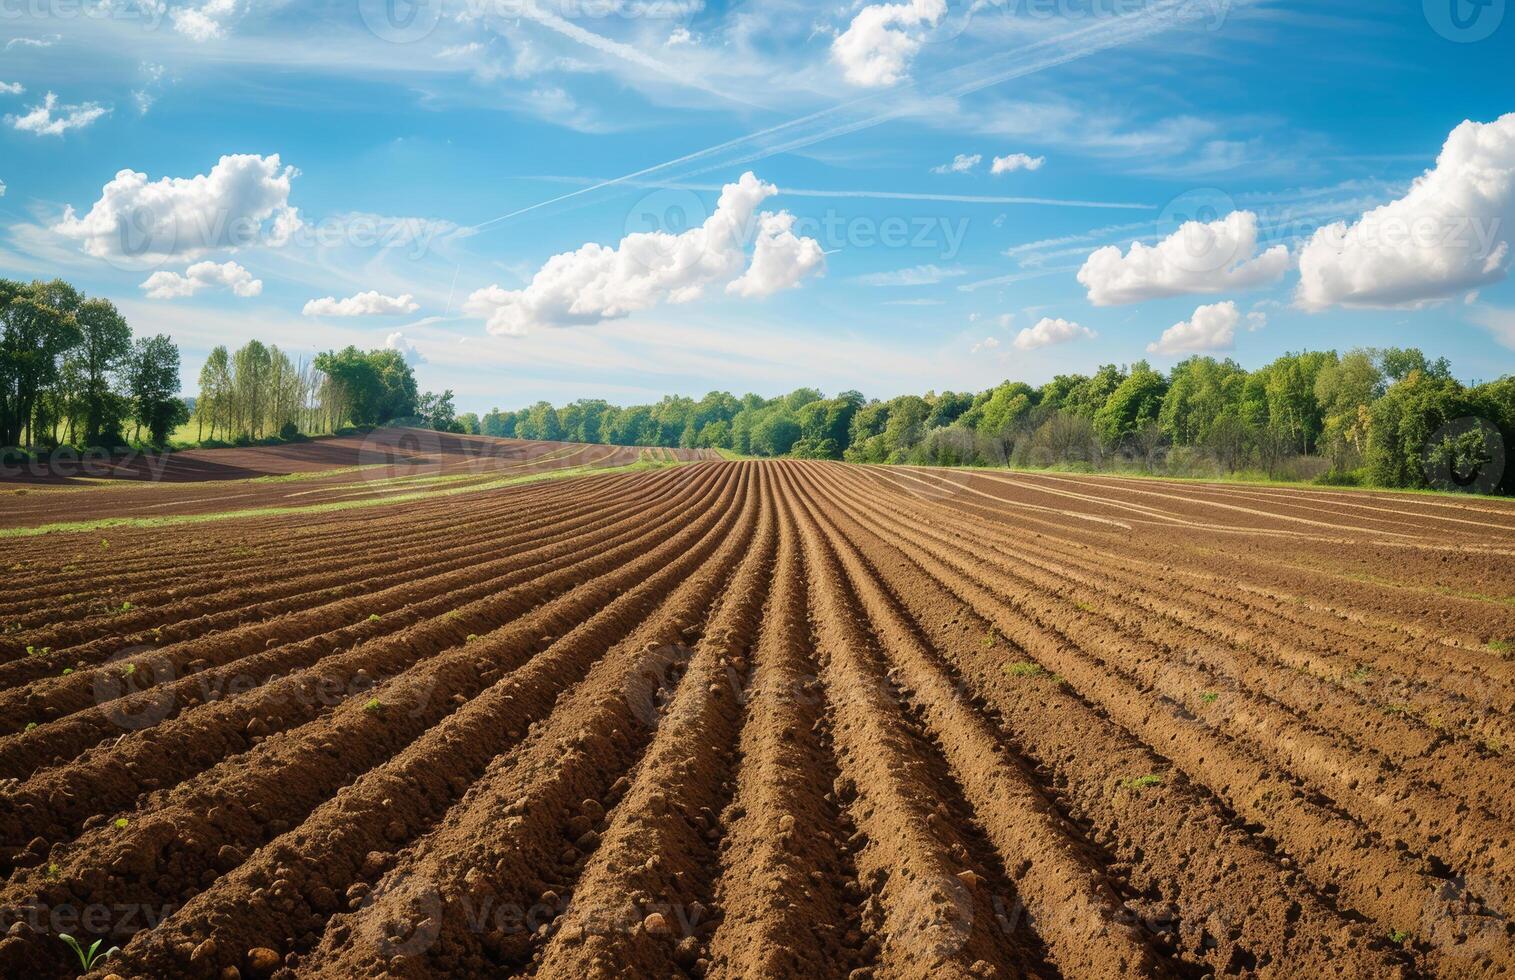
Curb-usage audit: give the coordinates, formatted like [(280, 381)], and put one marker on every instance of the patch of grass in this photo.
[(1138, 783), (1209, 697), (1025, 668), (1399, 937), (373, 706), (1502, 647)]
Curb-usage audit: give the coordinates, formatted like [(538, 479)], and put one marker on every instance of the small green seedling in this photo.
[(88, 957), (1398, 937), (122, 823), (1209, 697), (989, 639), (126, 607), (128, 670), (1361, 674), (31, 651), (1501, 646), (373, 617), (31, 726), (104, 544), (373, 705), (471, 637), (67, 671), (52, 871), (1143, 782), (1025, 668)]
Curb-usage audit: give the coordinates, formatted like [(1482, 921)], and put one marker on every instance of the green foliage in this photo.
[(1138, 783), (373, 387), (88, 957)]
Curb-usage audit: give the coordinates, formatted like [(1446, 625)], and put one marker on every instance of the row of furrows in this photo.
[(1305, 739), (403, 756), (170, 605), (193, 673), (1335, 624), (159, 750), (1274, 566), (453, 904), (218, 637), (1436, 731), (1352, 855), (163, 561)]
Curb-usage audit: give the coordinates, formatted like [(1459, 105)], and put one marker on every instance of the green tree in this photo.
[(37, 327), (152, 379), (1134, 403)]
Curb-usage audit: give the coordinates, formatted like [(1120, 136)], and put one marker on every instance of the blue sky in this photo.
[(526, 195)]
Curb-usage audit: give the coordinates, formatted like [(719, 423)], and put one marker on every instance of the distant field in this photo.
[(530, 709)]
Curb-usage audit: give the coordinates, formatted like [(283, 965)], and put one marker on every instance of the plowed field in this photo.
[(778, 719)]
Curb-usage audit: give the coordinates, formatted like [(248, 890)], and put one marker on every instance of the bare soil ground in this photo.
[(778, 719)]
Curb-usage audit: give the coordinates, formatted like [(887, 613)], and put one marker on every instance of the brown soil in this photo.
[(786, 719)]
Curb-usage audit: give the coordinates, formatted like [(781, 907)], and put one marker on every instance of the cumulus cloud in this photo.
[(1016, 161), (242, 201), (397, 341), (882, 40), (11, 88), (988, 343), (780, 258), (207, 22), (370, 303), (602, 282), (52, 118), (1197, 258), (1211, 328), (1049, 331), (961, 164), (1451, 232), (202, 275)]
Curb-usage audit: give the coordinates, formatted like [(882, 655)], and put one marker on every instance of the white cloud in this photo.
[(916, 275), (53, 119), (1049, 331), (188, 216), (206, 22), (679, 35), (1197, 258), (370, 303), (46, 41), (878, 46), (397, 341), (202, 275), (601, 282), (1211, 328), (1449, 233), (961, 164), (780, 258), (11, 88), (1016, 161), (988, 343)]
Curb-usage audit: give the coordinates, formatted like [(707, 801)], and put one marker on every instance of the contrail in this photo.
[(880, 107), (876, 195)]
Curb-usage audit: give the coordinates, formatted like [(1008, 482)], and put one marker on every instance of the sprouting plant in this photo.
[(52, 871), (1501, 646), (1025, 668), (1143, 782), (128, 670), (471, 637), (1398, 937), (1209, 697), (30, 726), (1362, 673), (67, 671), (31, 651), (104, 544), (122, 823), (989, 638), (373, 705), (126, 607), (373, 617), (88, 957)]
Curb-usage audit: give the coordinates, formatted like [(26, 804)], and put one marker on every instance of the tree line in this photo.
[(1384, 417), (71, 372)]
